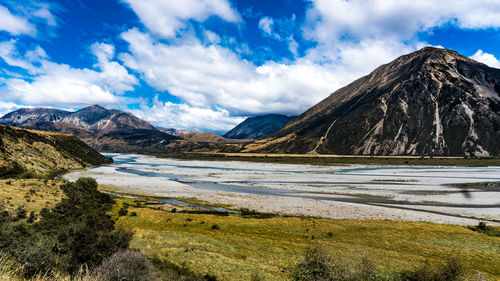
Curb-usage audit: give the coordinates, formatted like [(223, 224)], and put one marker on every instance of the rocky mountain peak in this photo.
[(430, 102)]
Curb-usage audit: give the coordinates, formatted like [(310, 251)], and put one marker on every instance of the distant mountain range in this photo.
[(258, 127), (430, 102), (94, 118), (118, 131)]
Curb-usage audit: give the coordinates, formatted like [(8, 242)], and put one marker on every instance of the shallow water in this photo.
[(416, 188)]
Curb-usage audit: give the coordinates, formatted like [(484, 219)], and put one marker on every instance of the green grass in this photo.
[(337, 160), (243, 246)]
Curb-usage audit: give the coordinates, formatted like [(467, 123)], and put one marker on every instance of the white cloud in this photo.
[(266, 24), (13, 24), (7, 107), (486, 58), (399, 19), (164, 18), (184, 116), (62, 85), (212, 75)]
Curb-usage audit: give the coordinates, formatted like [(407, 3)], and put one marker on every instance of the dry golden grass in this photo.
[(245, 246), (33, 194)]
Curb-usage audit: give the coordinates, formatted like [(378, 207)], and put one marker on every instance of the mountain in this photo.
[(175, 132), (99, 119), (133, 140), (23, 115), (258, 127), (23, 150), (430, 102), (95, 118)]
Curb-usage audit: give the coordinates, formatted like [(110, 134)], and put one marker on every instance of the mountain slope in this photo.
[(23, 115), (99, 119), (430, 102), (23, 149), (258, 127), (95, 118)]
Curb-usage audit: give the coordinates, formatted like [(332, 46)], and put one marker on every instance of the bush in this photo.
[(451, 270), (21, 212), (316, 265), (215, 226), (122, 212), (31, 218), (83, 231), (126, 265)]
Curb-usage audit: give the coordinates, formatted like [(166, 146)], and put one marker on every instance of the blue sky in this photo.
[(208, 64)]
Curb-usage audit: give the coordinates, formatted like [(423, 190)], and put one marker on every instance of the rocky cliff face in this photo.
[(258, 127), (430, 102)]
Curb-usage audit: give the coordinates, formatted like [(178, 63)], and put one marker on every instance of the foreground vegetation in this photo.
[(193, 245), (331, 160)]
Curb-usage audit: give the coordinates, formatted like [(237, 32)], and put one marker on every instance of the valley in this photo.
[(340, 192)]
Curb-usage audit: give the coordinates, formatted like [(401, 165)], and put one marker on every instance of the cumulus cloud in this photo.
[(7, 107), (164, 18), (13, 24), (331, 19), (185, 116), (213, 75), (486, 58), (61, 84)]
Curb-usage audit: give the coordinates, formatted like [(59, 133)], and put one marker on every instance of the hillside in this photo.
[(258, 127), (23, 150), (430, 102)]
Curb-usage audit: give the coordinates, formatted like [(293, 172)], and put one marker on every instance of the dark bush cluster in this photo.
[(317, 265), (126, 265), (75, 232)]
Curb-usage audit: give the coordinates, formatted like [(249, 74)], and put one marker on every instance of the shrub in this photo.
[(83, 231), (21, 212), (32, 217), (451, 270), (126, 265), (215, 226), (316, 265), (122, 212)]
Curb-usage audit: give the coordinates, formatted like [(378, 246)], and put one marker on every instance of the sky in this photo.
[(206, 65)]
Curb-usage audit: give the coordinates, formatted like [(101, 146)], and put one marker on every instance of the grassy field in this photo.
[(330, 160), (236, 247), (33, 194)]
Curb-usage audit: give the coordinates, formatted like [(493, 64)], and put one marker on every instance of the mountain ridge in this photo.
[(95, 118), (429, 102)]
